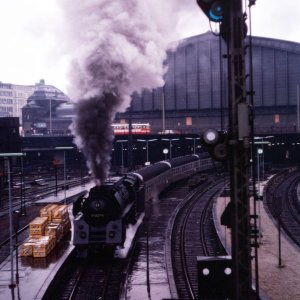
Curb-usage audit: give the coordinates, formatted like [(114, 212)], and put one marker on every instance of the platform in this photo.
[(275, 282), (36, 274), (65, 194)]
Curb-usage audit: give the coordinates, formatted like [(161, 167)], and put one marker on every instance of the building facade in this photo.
[(13, 97), (39, 115), (194, 96)]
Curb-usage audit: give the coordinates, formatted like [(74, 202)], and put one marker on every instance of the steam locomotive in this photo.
[(103, 214)]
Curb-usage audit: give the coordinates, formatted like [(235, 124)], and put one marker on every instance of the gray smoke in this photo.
[(119, 48)]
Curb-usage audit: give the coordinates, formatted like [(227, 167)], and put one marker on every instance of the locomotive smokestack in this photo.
[(119, 48)]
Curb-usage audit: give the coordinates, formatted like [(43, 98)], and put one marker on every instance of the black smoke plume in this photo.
[(118, 48), (93, 133)]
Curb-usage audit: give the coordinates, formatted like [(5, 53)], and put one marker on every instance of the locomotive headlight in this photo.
[(83, 235)]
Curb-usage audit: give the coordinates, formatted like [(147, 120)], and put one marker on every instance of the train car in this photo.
[(137, 128), (102, 215)]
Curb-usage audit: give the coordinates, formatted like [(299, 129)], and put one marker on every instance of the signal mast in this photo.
[(229, 14)]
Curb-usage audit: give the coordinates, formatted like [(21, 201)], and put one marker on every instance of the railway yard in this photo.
[(171, 170), (179, 226)]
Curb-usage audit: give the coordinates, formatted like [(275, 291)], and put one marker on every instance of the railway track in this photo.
[(5, 245), (283, 204), (37, 194), (117, 275), (194, 235), (91, 280), (100, 276)]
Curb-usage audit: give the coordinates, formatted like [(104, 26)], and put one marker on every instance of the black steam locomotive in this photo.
[(102, 215)]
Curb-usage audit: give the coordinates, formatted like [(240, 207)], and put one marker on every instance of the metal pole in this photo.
[(21, 185), (163, 110), (17, 262), (279, 199), (279, 243), (147, 252), (194, 146), (65, 176), (22, 194), (12, 283), (263, 162), (23, 208), (129, 152), (258, 184), (50, 117), (122, 159), (258, 191), (1, 176), (80, 162), (239, 143), (55, 169), (298, 109), (16, 228), (147, 151)]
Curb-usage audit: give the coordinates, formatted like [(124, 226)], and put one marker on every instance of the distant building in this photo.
[(13, 97), (195, 94), (196, 90), (39, 115)]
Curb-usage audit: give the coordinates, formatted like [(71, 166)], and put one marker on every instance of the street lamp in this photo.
[(55, 163), (163, 110), (170, 141), (64, 149), (147, 148), (8, 157), (81, 171), (262, 142), (122, 155), (298, 108), (165, 152), (50, 116), (194, 139)]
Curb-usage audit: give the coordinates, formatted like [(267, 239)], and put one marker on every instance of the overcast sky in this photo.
[(33, 45)]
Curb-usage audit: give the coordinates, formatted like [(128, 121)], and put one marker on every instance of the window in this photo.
[(6, 109), (5, 93), (6, 101), (189, 121)]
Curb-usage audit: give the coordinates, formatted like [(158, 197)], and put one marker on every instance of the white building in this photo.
[(14, 96)]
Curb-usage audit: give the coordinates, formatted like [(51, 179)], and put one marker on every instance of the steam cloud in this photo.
[(119, 48)]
